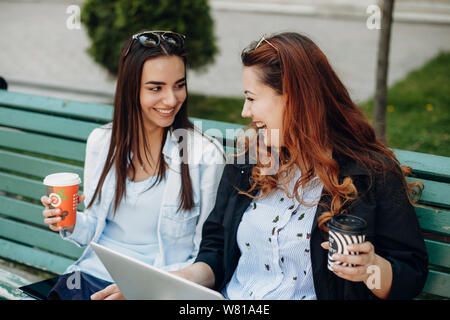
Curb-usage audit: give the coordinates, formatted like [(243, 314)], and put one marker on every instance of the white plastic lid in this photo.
[(62, 179)]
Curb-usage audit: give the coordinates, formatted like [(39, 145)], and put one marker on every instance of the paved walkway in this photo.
[(423, 11), (40, 55)]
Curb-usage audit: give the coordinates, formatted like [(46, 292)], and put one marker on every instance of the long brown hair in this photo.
[(319, 116), (128, 121)]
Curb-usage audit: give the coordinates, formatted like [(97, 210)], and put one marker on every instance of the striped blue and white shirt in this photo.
[(274, 240)]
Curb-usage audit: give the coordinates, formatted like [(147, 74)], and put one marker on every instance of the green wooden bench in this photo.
[(41, 135)]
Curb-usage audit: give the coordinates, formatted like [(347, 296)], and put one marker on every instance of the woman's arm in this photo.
[(380, 286), (394, 264), (212, 246), (86, 221), (399, 239), (198, 272)]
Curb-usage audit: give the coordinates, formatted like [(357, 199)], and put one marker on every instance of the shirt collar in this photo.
[(170, 145)]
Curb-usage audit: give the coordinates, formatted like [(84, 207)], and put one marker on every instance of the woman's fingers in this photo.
[(362, 261), (365, 247), (54, 227), (51, 218), (45, 201), (350, 273), (350, 259), (81, 198), (100, 295), (115, 296), (48, 213), (54, 220), (111, 292)]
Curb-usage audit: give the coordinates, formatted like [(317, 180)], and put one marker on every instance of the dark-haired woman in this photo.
[(150, 177), (267, 236)]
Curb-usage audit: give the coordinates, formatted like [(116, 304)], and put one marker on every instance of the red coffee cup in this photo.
[(62, 189)]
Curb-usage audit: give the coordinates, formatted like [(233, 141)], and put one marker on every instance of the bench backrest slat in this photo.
[(46, 124), (25, 187), (438, 253), (438, 283), (435, 193), (36, 143), (36, 258), (36, 237), (35, 166), (434, 220), (73, 109), (22, 210), (428, 166)]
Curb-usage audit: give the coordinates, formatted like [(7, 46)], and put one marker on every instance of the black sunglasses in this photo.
[(153, 39)]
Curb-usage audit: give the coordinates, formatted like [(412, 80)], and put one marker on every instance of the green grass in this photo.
[(418, 113), (217, 108), (418, 117)]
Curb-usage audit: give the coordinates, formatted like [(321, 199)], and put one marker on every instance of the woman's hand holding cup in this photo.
[(51, 215)]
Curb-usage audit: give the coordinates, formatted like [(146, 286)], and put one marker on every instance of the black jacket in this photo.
[(393, 229)]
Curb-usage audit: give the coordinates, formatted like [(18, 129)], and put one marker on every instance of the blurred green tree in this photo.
[(110, 23)]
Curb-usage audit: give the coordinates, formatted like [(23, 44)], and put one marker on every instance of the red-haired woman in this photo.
[(266, 237)]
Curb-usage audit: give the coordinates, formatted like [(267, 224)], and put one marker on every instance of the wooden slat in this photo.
[(33, 257), (34, 166), (46, 124), (21, 186), (37, 237), (89, 111), (433, 220), (438, 253), (40, 144), (25, 211), (22, 210), (438, 283), (434, 193), (9, 282), (425, 165)]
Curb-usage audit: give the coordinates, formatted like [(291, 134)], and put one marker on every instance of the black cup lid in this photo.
[(348, 224)]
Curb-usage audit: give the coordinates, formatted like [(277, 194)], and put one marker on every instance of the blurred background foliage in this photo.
[(109, 23)]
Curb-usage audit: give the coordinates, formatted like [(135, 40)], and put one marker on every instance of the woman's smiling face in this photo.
[(163, 90), (263, 105)]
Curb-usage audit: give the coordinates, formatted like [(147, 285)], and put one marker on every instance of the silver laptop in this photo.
[(140, 281)]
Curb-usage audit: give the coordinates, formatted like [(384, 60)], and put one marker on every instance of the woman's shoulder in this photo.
[(100, 134), (99, 140), (380, 164)]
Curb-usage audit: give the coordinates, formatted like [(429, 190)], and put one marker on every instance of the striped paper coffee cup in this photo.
[(344, 230)]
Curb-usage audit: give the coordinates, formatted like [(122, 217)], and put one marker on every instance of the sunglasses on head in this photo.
[(153, 39), (263, 38)]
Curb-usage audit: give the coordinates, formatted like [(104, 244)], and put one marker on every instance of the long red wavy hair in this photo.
[(319, 116)]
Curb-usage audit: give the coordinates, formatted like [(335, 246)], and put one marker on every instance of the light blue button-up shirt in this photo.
[(274, 240), (132, 229), (178, 233)]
